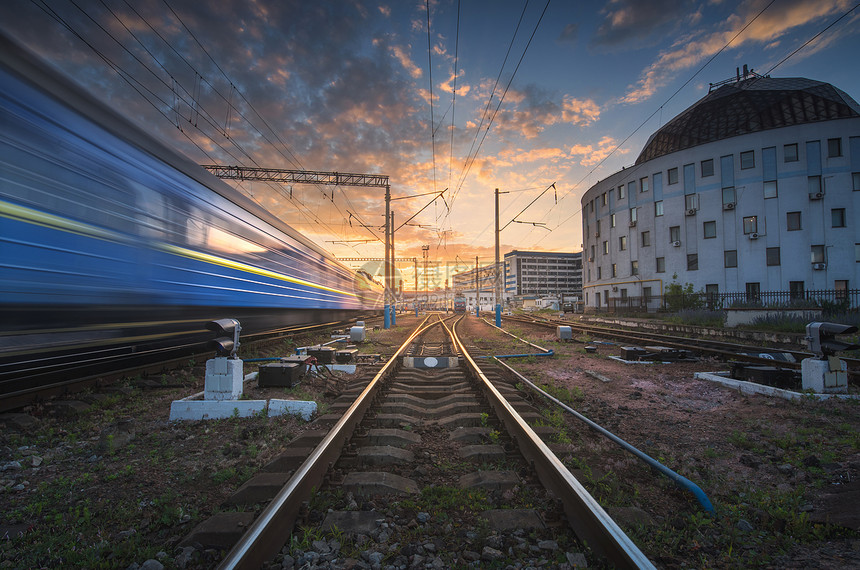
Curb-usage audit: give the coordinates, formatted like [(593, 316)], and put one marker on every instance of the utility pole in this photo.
[(496, 268), (386, 320), (393, 286), (426, 249), (415, 298), (477, 291)]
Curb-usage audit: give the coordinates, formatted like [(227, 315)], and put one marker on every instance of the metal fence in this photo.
[(836, 299)]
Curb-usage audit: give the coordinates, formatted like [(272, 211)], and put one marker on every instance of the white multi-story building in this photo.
[(756, 187), (543, 273)]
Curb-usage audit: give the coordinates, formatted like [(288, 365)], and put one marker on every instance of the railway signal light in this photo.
[(822, 341), (226, 341)]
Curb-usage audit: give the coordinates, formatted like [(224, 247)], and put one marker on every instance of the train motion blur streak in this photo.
[(113, 245)]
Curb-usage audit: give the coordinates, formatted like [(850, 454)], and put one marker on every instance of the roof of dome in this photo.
[(749, 106)]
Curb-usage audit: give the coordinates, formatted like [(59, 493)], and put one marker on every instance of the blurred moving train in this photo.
[(114, 246)]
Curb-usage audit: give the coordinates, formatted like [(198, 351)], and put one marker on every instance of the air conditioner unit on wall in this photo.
[(676, 243), (729, 206), (816, 196), (691, 212), (819, 266), (632, 224), (753, 235)]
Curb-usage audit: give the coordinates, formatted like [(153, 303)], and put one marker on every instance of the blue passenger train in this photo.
[(112, 244)]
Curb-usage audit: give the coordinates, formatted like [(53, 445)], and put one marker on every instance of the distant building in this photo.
[(755, 187), (543, 273), (464, 284)]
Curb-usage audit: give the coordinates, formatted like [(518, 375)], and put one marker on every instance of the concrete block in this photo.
[(302, 408), (214, 409), (223, 379), (824, 376), (563, 333)]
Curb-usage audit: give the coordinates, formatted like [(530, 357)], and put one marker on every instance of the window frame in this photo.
[(710, 171), (772, 257), (672, 176), (730, 258), (712, 224), (789, 216), (747, 159), (795, 156)]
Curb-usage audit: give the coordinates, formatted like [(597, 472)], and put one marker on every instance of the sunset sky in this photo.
[(524, 95)]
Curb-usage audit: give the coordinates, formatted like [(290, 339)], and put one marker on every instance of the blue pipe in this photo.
[(386, 313), (550, 353), (679, 480)]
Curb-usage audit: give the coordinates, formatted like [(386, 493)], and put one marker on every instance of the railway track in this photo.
[(430, 438), (728, 351), (24, 381)]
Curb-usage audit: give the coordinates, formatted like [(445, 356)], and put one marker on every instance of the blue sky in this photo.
[(346, 86)]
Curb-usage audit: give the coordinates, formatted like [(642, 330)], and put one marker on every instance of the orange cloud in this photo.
[(696, 47)]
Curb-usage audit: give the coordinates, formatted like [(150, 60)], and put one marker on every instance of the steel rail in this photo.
[(586, 517), (271, 529), (727, 350)]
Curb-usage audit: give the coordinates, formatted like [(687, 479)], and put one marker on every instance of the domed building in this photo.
[(755, 188)]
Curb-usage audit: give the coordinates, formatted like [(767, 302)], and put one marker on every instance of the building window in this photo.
[(646, 239), (712, 290), (796, 290), (731, 258), (857, 252), (631, 187), (790, 152), (675, 233), (772, 254), (633, 216), (834, 148), (747, 159), (814, 185), (591, 258), (622, 243), (611, 220), (707, 168), (691, 201), (615, 270), (597, 229), (750, 225), (710, 229), (658, 208), (646, 292), (793, 221), (841, 287), (661, 265), (817, 254), (644, 185), (605, 247), (855, 181), (753, 291), (603, 199), (692, 261), (837, 215), (770, 189), (599, 273), (622, 193), (672, 175), (729, 195), (634, 268)]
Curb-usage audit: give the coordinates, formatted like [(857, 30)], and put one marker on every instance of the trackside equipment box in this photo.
[(280, 374)]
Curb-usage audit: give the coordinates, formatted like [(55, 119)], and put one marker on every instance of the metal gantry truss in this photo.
[(286, 176), (256, 174)]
